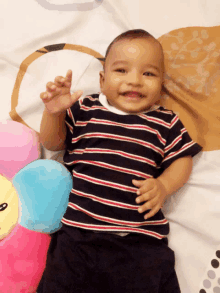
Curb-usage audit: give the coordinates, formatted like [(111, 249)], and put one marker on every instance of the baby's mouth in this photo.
[(132, 94)]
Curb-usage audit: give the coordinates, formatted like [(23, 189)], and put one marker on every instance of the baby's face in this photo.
[(133, 75)]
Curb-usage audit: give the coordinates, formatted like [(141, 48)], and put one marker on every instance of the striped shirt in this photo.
[(105, 151)]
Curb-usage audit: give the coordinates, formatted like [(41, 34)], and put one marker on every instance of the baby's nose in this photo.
[(134, 78)]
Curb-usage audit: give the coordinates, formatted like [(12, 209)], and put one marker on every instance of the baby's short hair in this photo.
[(131, 34)]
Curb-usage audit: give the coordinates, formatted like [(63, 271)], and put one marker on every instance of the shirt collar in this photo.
[(103, 100)]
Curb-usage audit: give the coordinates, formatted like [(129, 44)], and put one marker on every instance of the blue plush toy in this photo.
[(43, 187)]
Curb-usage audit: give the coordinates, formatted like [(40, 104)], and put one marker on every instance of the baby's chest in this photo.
[(120, 140)]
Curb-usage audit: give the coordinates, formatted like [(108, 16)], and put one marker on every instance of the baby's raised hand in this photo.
[(153, 193), (57, 97)]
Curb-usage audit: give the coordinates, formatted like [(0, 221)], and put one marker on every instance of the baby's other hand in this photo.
[(152, 193), (57, 97)]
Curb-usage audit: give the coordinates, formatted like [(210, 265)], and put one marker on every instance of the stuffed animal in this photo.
[(33, 198)]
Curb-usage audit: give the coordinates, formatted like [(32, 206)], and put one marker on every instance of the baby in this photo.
[(127, 155)]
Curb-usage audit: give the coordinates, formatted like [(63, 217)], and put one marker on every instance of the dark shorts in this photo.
[(83, 261)]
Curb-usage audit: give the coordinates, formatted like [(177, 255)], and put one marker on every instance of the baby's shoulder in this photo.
[(89, 99), (161, 114), (162, 110)]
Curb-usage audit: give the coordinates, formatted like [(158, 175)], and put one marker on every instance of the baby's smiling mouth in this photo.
[(132, 94)]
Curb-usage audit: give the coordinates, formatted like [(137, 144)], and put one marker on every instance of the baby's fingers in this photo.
[(148, 205), (69, 76), (50, 86), (60, 81), (44, 97), (152, 212), (51, 92), (51, 89)]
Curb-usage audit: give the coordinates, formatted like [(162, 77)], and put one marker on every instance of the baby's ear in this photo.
[(101, 79)]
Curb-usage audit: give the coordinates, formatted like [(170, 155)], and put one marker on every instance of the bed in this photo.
[(49, 37)]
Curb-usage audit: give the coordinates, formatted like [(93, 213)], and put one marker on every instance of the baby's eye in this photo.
[(149, 73), (121, 70), (3, 206)]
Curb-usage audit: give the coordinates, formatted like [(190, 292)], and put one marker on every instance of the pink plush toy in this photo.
[(33, 198), (19, 146)]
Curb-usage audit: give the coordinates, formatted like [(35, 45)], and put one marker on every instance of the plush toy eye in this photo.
[(3, 206)]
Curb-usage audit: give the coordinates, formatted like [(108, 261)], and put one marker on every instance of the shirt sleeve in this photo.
[(179, 144), (70, 120)]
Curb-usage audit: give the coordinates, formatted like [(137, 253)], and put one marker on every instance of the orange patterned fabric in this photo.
[(192, 81)]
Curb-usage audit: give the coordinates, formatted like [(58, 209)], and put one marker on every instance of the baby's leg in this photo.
[(136, 263), (66, 269), (83, 261)]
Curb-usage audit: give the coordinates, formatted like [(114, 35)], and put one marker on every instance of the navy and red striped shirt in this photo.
[(105, 151)]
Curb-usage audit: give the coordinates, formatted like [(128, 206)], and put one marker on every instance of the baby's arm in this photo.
[(176, 175), (57, 99), (153, 192), (53, 131)]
